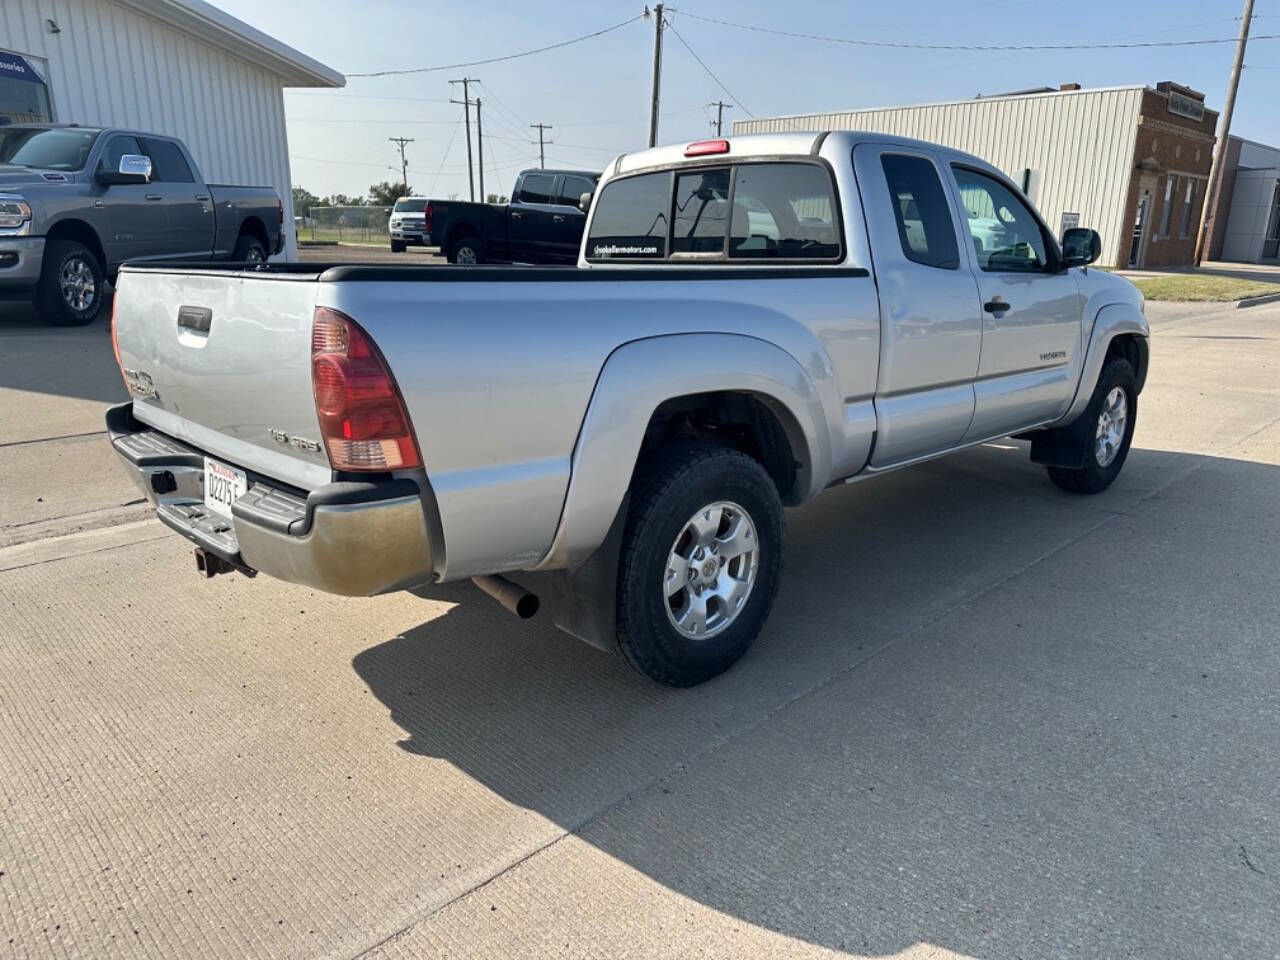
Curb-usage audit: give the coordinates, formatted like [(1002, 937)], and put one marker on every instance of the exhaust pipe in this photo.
[(513, 597)]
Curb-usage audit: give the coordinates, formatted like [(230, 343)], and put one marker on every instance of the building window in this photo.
[(24, 97), (1187, 205), (1166, 215)]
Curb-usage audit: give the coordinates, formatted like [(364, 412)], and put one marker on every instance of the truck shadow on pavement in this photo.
[(984, 715), (63, 362)]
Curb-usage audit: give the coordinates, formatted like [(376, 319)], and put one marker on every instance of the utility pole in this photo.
[(404, 166), (542, 154), (1220, 154), (720, 106), (466, 116), (657, 74), (480, 145)]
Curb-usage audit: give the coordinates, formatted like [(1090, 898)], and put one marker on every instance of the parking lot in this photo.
[(986, 719)]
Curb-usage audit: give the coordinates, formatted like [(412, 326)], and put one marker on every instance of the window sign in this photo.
[(1069, 222), (24, 97)]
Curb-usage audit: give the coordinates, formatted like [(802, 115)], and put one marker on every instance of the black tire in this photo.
[(248, 249), (458, 250), (397, 246), (83, 268), (669, 489), (1093, 476)]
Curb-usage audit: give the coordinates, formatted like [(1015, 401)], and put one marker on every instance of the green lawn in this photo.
[(1202, 288)]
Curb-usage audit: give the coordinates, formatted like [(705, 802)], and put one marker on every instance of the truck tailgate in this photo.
[(222, 360)]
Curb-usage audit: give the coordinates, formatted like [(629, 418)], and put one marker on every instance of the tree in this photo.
[(384, 194), (304, 200), (342, 200), (497, 198)]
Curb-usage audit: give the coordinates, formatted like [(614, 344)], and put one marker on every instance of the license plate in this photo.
[(223, 486)]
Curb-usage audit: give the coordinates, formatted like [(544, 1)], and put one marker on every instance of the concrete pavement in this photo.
[(986, 719)]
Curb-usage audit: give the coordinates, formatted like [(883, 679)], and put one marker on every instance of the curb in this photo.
[(1258, 301)]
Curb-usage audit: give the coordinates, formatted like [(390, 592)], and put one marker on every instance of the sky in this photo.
[(595, 94)]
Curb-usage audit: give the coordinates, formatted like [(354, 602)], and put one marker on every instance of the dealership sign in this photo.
[(1185, 106), (15, 67)]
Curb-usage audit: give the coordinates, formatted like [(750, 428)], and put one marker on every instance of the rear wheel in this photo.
[(249, 249), (1113, 411), (700, 565), (467, 251), (70, 290)]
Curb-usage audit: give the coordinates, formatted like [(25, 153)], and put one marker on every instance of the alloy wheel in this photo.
[(711, 570)]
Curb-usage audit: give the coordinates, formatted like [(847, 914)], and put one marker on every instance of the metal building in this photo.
[(1244, 224), (1131, 162), (178, 67)]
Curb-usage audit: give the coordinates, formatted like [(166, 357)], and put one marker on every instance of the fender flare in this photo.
[(640, 375), (1113, 320)]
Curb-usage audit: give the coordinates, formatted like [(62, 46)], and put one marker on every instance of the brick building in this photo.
[(1132, 162)]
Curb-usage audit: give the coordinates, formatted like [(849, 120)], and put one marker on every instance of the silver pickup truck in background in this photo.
[(751, 321), (77, 202)]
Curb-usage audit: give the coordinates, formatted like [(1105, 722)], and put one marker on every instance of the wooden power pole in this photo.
[(1224, 131)]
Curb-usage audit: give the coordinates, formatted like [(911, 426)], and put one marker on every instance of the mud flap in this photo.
[(1062, 446), (583, 601)]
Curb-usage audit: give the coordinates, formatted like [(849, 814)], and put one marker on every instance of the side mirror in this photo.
[(134, 168), (584, 202), (1080, 247)]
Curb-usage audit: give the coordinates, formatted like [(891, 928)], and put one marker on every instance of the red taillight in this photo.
[(362, 417), (426, 218), (703, 148)]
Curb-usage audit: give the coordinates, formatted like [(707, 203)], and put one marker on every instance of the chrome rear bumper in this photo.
[(349, 538)]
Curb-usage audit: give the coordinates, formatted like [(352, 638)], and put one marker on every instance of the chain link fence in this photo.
[(345, 224)]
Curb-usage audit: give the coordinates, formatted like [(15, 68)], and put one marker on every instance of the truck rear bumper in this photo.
[(20, 261), (351, 538)]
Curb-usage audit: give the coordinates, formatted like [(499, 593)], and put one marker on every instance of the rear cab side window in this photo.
[(922, 212), (762, 211), (168, 165)]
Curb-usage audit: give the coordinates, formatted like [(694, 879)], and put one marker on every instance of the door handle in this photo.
[(517, 215), (154, 196), (558, 218), (202, 197), (996, 304)]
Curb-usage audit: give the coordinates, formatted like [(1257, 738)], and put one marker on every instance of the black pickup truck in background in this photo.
[(542, 223)]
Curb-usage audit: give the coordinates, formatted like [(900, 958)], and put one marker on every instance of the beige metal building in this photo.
[(1131, 162)]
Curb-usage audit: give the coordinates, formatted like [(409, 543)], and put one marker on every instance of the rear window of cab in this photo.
[(764, 211)]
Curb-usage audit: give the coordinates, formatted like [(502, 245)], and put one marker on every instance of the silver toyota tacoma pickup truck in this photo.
[(751, 321)]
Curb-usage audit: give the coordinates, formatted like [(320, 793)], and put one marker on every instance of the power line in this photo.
[(966, 46), (509, 56), (727, 91)]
